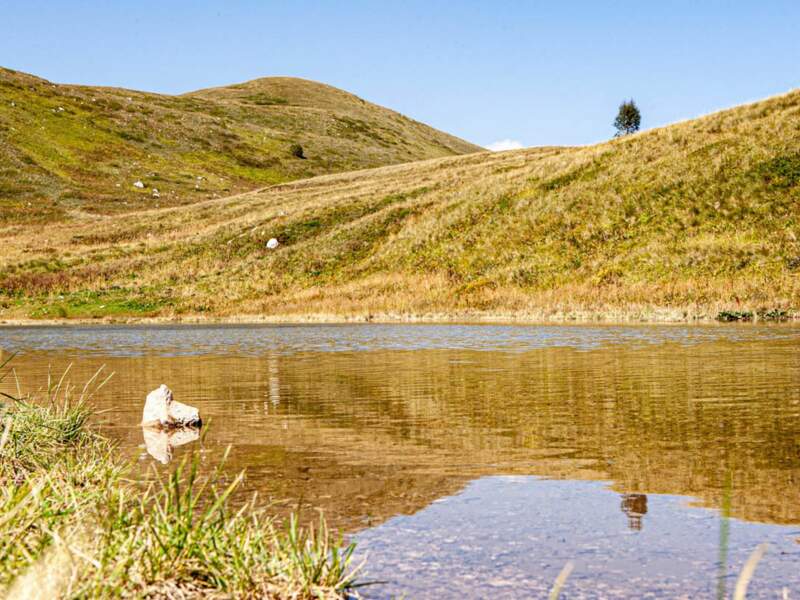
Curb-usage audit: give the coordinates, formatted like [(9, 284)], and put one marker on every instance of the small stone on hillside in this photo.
[(155, 193), (138, 184), (272, 243)]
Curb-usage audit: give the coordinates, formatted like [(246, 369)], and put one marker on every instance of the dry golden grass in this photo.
[(676, 223)]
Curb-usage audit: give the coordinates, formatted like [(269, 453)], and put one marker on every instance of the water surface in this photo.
[(509, 537), (376, 424)]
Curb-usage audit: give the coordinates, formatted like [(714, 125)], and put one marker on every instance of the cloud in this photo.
[(501, 145)]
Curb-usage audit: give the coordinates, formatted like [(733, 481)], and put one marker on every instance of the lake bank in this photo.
[(616, 317)]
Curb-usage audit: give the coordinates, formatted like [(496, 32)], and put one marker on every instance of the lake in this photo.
[(477, 460)]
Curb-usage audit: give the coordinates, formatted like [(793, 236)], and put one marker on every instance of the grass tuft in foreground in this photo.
[(72, 526)]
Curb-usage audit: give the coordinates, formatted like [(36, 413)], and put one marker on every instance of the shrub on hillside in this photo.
[(629, 119)]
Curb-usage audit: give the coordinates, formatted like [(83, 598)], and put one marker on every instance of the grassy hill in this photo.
[(681, 222), (67, 149)]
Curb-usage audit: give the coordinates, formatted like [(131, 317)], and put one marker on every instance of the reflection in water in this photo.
[(160, 442), (367, 423), (508, 537), (274, 393), (635, 506), (365, 435)]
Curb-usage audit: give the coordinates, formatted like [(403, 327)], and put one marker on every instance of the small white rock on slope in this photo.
[(160, 410)]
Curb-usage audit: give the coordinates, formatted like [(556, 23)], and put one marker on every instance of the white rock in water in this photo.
[(182, 415), (138, 184), (272, 243), (156, 407), (160, 410)]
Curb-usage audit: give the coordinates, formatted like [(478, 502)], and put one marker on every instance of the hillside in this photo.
[(68, 149), (676, 223)]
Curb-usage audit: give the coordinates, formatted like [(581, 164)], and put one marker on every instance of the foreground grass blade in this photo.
[(561, 580), (740, 592)]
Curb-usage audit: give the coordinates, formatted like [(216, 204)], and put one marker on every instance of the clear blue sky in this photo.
[(536, 72)]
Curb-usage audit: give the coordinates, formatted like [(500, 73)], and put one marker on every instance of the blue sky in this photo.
[(533, 72)]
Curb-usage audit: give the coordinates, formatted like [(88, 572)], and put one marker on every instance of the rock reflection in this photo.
[(160, 443)]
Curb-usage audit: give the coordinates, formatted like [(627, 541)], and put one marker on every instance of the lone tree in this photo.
[(628, 118)]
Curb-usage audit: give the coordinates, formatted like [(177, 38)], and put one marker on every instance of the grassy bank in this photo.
[(695, 221), (73, 526), (615, 316)]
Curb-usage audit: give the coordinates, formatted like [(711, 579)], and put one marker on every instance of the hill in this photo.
[(68, 149), (683, 222)]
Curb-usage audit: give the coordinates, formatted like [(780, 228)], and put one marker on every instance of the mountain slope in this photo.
[(66, 148), (675, 223), (311, 109)]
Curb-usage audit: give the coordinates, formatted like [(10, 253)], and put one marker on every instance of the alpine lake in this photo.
[(476, 461)]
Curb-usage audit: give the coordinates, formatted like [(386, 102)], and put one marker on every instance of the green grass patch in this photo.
[(780, 172), (266, 100), (103, 303), (729, 316)]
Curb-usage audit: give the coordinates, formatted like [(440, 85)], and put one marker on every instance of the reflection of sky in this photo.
[(178, 340), (509, 537)]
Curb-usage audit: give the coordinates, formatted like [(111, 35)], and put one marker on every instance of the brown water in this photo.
[(370, 422)]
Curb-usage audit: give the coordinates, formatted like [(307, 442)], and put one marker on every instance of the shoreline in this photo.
[(652, 317)]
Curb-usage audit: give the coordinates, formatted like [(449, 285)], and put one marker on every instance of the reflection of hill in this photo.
[(377, 433)]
